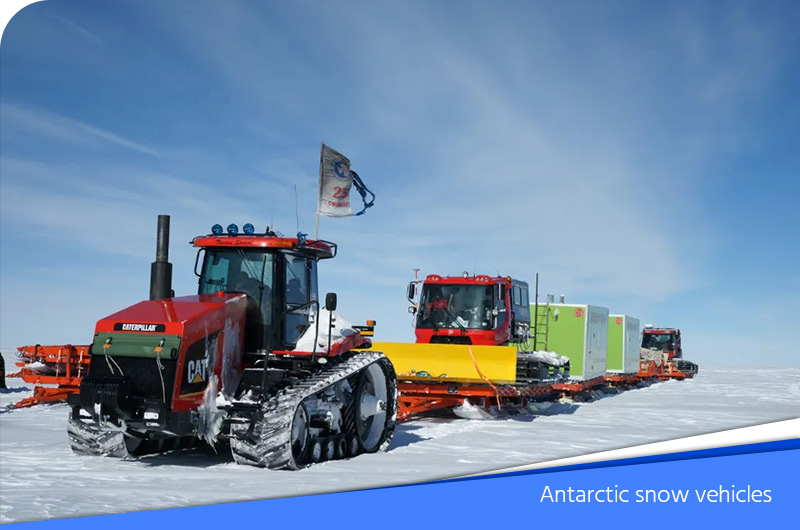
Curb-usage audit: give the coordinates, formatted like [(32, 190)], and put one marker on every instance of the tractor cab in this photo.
[(470, 309), (277, 274), (667, 340)]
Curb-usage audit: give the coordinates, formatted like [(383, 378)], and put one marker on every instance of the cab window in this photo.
[(298, 291)]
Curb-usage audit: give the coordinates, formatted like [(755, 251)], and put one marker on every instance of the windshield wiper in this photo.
[(455, 319), (250, 268)]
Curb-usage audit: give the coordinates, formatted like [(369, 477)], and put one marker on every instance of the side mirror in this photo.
[(330, 301), (501, 293), (412, 291)]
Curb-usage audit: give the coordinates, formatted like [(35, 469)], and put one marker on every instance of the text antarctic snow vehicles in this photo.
[(225, 364)]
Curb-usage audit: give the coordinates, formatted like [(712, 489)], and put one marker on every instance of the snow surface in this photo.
[(40, 478)]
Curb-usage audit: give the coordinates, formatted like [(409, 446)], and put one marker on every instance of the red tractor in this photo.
[(248, 360)]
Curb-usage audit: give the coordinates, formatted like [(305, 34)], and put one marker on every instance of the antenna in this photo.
[(536, 312), (296, 214), (316, 224)]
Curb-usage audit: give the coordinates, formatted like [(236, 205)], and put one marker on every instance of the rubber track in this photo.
[(686, 366), (86, 439), (269, 443), (527, 362)]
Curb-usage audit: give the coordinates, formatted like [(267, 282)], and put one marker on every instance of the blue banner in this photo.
[(732, 486)]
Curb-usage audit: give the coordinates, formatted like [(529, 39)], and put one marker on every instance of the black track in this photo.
[(265, 440)]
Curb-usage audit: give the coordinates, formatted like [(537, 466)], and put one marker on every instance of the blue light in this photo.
[(233, 229), (301, 238), (248, 229), (216, 230)]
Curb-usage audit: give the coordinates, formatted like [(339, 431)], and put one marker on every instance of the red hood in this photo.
[(171, 313)]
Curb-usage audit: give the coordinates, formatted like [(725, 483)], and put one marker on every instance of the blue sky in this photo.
[(640, 156)]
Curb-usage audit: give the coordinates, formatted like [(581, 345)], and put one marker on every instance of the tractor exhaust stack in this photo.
[(161, 268)]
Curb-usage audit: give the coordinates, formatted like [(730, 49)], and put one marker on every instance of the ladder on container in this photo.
[(540, 326)]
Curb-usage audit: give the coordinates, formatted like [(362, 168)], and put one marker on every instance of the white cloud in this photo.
[(518, 192), (77, 204), (47, 124), (74, 27)]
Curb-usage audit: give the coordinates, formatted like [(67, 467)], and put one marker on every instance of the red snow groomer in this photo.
[(663, 346), (666, 340), (479, 310), (472, 345)]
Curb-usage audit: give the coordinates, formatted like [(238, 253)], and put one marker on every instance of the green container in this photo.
[(624, 338), (579, 331)]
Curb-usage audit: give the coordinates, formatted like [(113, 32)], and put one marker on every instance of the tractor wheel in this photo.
[(374, 421)]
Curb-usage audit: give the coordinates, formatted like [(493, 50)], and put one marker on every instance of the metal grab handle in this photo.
[(280, 320)]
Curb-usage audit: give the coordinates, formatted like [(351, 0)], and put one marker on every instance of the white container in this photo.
[(624, 335)]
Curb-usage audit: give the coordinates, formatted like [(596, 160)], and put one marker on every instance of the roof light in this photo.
[(248, 229), (216, 230), (233, 229), (301, 238)]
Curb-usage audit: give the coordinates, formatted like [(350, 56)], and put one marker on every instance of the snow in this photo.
[(341, 329), (211, 417), (35, 366), (549, 357), (651, 355), (42, 479), (468, 411)]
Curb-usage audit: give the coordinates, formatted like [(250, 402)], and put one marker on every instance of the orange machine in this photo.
[(59, 367)]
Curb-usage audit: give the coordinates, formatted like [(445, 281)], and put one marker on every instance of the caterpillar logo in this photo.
[(197, 371), (199, 364), (146, 328)]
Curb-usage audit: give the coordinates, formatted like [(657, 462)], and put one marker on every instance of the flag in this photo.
[(335, 181)]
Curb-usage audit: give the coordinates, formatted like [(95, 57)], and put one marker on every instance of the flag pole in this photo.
[(316, 224)]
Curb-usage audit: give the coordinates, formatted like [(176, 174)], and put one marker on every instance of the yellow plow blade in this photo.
[(451, 362)]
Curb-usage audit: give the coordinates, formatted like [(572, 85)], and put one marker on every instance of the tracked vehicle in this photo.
[(667, 340), (244, 362), (666, 343), (472, 348)]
